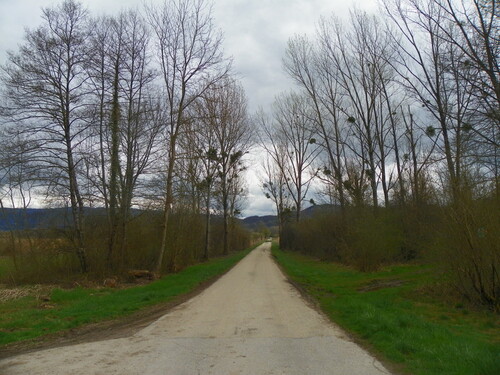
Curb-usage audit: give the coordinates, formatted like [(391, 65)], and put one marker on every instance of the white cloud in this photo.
[(257, 203)]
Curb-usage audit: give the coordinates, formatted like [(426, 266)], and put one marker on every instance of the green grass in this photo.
[(28, 318), (410, 328)]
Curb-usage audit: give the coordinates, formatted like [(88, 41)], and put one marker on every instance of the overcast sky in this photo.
[(255, 34)]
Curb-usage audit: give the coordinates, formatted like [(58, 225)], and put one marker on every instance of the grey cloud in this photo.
[(256, 33)]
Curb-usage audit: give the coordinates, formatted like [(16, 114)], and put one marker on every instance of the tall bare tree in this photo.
[(426, 67), (126, 118), (472, 29), (226, 112), (308, 65), (360, 55), (189, 50), (290, 139), (45, 89), (273, 182), (201, 140), (477, 35)]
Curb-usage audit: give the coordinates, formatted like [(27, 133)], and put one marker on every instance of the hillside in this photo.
[(43, 218), (270, 221), (33, 218)]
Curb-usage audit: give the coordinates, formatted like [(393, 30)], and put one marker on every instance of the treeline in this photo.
[(137, 110), (396, 120)]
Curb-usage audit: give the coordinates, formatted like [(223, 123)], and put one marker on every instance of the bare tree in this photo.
[(417, 158), (472, 29), (45, 90), (273, 182), (308, 65), (100, 83), (189, 50), (216, 138), (426, 67), (226, 110), (126, 119), (360, 55), (477, 35), (139, 129), (291, 141), (201, 141)]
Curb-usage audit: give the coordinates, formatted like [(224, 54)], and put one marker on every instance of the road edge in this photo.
[(109, 329), (393, 368)]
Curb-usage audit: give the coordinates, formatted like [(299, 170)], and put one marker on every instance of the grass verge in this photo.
[(28, 318), (388, 312)]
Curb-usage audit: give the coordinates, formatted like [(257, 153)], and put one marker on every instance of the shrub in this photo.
[(358, 237), (373, 239), (469, 248)]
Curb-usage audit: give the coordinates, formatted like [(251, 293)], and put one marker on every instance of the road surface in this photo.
[(251, 321)]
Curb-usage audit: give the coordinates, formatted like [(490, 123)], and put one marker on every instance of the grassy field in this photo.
[(393, 313), (29, 317), (5, 264)]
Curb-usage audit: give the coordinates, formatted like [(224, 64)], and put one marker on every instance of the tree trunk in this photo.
[(76, 210), (114, 170), (226, 226), (207, 228), (168, 205)]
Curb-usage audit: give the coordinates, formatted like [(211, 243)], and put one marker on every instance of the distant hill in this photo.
[(255, 222), (33, 218), (319, 209), (43, 218), (270, 221), (40, 218)]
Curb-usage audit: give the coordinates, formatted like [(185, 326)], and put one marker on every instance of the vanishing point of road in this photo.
[(251, 321)]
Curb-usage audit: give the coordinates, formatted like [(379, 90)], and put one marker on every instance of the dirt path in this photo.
[(251, 321)]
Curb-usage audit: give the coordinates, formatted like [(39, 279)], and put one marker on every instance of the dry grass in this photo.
[(37, 291)]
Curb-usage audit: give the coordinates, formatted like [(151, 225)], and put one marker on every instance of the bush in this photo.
[(462, 239), (373, 239), (40, 257), (359, 237), (468, 247), (48, 256), (321, 236)]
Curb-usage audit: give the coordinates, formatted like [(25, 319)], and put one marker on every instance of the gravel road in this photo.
[(251, 321)]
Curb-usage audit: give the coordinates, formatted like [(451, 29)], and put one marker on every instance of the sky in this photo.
[(255, 35)]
